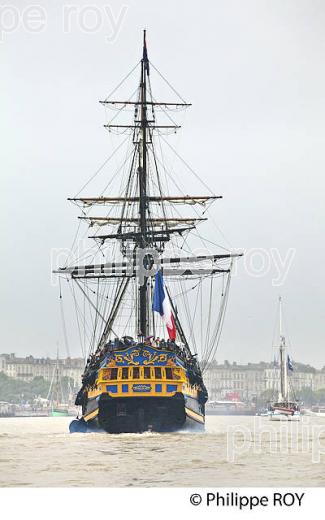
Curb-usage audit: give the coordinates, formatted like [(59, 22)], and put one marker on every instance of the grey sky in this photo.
[(254, 71)]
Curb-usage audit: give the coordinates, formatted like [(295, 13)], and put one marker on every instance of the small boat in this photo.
[(7, 409), (317, 411), (284, 408), (264, 412), (59, 412)]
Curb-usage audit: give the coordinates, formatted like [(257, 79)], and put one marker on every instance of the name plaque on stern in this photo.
[(141, 388)]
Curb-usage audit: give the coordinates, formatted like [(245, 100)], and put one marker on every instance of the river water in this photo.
[(233, 451)]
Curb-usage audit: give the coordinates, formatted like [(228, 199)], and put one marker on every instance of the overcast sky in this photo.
[(254, 71)]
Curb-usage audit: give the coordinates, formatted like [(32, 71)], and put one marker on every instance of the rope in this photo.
[(122, 81), (63, 322), (101, 167), (187, 165), (219, 326), (166, 81)]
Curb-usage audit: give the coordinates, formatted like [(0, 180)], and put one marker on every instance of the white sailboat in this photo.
[(284, 408)]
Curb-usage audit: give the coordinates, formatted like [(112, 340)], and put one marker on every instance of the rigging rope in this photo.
[(122, 81), (101, 167), (63, 321), (166, 81), (187, 165), (214, 343)]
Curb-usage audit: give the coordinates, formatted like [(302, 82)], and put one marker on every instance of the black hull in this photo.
[(140, 414)]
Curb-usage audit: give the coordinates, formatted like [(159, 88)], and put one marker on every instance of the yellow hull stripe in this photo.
[(91, 415), (194, 415)]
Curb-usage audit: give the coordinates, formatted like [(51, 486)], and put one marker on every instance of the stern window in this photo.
[(136, 372), (169, 373), (125, 373), (146, 372), (113, 373), (158, 373)]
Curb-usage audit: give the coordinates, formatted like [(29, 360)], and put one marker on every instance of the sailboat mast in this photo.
[(283, 361), (57, 379), (142, 173)]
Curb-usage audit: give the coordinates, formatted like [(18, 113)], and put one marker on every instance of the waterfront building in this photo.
[(249, 381), (26, 368)]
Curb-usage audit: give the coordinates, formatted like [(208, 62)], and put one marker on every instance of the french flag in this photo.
[(162, 305)]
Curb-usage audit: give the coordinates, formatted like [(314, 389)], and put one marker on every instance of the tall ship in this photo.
[(285, 406), (149, 310)]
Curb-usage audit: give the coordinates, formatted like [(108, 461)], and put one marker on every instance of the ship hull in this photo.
[(140, 414), (280, 415)]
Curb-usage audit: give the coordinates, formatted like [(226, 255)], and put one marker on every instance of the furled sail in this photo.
[(133, 265), (103, 221), (186, 199)]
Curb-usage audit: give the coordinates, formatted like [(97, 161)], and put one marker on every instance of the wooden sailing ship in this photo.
[(135, 381)]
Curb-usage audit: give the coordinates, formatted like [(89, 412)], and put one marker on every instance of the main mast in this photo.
[(283, 360), (136, 223), (142, 175)]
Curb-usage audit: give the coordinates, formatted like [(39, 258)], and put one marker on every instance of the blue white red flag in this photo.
[(162, 305), (290, 365)]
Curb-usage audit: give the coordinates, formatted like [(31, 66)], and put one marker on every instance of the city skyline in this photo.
[(223, 380), (213, 362)]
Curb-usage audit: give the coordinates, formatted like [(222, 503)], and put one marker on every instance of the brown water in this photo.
[(234, 451)]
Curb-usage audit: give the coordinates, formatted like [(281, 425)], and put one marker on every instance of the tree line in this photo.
[(16, 391)]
